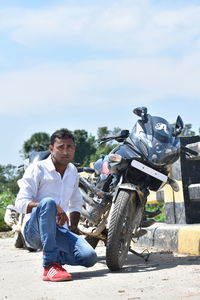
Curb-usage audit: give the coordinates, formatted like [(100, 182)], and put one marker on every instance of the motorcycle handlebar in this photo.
[(86, 169), (119, 138)]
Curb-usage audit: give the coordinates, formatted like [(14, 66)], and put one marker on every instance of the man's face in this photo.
[(62, 151)]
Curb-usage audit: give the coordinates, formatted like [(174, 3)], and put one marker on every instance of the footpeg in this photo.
[(139, 233)]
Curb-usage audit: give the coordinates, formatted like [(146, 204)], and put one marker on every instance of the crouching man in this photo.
[(48, 190)]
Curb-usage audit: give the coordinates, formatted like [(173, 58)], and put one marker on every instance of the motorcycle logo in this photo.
[(162, 126)]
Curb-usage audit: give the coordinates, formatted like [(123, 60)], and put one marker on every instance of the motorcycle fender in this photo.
[(128, 186)]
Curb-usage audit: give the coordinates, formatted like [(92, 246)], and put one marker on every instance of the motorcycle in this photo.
[(114, 208)]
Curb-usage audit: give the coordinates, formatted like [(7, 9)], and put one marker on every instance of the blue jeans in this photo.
[(57, 243)]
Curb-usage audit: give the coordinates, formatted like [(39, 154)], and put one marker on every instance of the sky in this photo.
[(85, 64)]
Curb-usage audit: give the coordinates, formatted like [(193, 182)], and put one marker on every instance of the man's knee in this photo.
[(90, 259), (48, 203), (47, 206)]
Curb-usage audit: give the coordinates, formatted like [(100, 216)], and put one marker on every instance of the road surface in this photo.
[(165, 277)]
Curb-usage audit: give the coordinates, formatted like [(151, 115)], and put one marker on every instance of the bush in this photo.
[(6, 198), (161, 206)]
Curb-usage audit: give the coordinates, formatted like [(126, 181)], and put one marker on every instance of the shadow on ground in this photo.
[(157, 261)]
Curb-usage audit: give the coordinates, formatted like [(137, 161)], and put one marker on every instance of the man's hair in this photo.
[(61, 134)]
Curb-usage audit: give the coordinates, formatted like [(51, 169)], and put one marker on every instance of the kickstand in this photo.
[(143, 255)]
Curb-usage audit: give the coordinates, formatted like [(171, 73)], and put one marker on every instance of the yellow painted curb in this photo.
[(188, 240)]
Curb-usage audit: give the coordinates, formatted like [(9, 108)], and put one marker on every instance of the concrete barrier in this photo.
[(183, 239)]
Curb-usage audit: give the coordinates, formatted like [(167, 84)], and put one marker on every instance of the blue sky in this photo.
[(86, 64)]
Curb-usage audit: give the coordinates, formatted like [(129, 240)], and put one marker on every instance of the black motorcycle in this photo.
[(114, 208)]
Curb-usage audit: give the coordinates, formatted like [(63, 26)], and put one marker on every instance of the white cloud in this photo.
[(104, 82), (155, 56), (129, 26), (133, 27)]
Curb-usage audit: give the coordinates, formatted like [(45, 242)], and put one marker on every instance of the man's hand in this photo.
[(62, 217), (30, 206), (74, 219)]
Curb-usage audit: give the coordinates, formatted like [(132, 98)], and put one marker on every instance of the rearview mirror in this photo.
[(124, 133), (140, 111), (122, 136), (178, 126)]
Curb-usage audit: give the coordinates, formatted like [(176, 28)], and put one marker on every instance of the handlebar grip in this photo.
[(85, 169)]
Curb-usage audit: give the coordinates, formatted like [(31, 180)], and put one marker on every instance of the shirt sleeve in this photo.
[(28, 187), (76, 200)]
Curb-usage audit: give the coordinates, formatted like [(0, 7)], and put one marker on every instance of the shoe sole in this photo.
[(44, 278)]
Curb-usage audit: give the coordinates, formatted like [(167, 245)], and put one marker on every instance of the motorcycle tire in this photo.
[(120, 229)]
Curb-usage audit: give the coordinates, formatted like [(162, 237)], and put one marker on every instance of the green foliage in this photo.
[(187, 130), (9, 175), (104, 149), (107, 147), (37, 142), (102, 132), (6, 198), (85, 147), (160, 205)]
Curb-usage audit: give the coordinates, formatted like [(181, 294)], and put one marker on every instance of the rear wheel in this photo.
[(120, 229)]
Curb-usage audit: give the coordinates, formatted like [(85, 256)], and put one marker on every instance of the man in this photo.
[(48, 190)]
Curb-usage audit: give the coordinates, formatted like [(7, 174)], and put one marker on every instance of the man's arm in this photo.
[(28, 184)]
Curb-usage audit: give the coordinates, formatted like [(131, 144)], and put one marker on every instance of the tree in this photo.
[(85, 146), (2, 175), (102, 132), (105, 149), (9, 175), (102, 150), (37, 142), (187, 130)]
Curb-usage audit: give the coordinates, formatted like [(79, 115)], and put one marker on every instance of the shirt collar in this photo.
[(50, 164)]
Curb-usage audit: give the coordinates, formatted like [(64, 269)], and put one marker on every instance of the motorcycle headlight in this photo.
[(115, 158)]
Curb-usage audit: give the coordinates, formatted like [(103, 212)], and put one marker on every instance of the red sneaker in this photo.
[(56, 272)]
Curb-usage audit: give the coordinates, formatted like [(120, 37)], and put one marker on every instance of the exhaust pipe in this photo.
[(86, 198), (92, 188)]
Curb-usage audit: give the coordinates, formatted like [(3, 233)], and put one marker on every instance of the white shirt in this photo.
[(41, 180)]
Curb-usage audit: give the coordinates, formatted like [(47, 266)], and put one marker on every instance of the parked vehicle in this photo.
[(115, 206)]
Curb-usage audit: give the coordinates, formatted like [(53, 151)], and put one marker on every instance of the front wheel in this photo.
[(120, 229)]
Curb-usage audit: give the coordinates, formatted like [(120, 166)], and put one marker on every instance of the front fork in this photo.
[(141, 201)]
